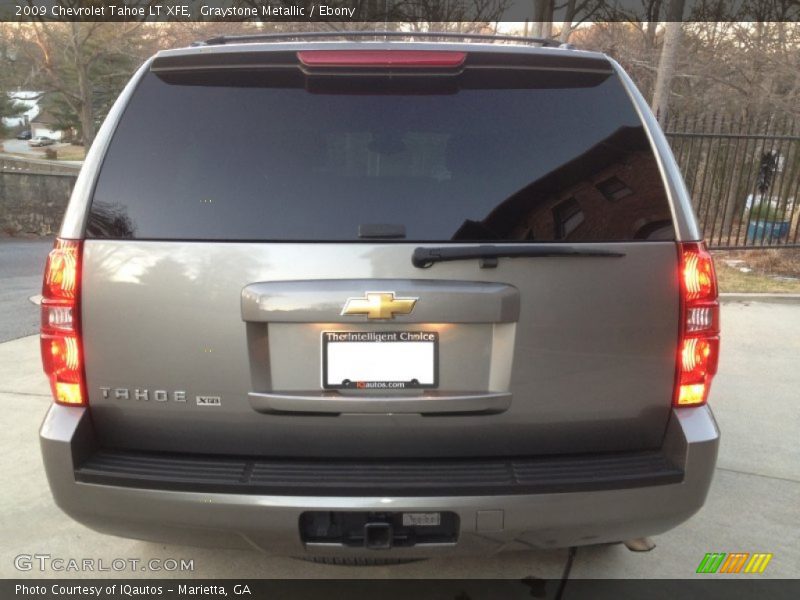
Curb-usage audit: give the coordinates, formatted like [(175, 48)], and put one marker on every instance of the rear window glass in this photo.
[(245, 158)]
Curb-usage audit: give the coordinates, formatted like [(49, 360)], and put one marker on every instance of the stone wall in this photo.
[(34, 195)]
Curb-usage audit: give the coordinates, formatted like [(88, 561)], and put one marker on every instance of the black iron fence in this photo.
[(744, 178)]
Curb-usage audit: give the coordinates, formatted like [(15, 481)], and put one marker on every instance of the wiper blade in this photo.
[(424, 257)]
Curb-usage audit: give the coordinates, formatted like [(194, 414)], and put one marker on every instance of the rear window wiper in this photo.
[(424, 257)]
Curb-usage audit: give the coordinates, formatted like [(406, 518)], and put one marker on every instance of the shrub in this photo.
[(764, 211)]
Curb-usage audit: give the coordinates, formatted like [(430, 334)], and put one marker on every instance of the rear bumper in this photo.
[(488, 522)]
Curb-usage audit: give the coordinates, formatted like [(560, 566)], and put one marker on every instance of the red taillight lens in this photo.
[(381, 58), (699, 280), (698, 348), (62, 355)]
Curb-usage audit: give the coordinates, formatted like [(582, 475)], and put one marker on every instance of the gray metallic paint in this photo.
[(589, 363), (320, 300), (587, 366), (270, 523), (427, 403)]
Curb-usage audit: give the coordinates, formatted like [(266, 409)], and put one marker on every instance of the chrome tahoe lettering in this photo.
[(143, 394)]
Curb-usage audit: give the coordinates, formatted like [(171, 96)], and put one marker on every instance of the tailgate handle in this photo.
[(334, 403), (322, 301)]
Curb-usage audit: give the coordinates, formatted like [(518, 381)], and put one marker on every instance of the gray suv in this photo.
[(357, 299)]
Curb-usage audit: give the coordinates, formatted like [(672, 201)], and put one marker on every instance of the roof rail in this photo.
[(305, 35)]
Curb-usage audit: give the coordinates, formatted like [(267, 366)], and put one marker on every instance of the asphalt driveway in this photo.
[(754, 503), (21, 267)]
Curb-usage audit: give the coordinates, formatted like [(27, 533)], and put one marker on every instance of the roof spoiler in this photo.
[(379, 36)]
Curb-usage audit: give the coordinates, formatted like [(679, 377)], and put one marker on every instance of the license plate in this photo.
[(379, 360), (422, 519)]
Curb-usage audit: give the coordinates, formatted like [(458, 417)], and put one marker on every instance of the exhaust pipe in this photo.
[(640, 544)]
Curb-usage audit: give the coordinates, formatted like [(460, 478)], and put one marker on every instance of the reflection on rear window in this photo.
[(227, 161)]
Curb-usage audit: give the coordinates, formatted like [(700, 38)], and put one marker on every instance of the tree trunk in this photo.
[(666, 70), (651, 41), (566, 28), (673, 33), (84, 89), (87, 125), (653, 13), (543, 18), (87, 110)]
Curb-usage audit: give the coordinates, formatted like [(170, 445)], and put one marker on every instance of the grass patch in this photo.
[(20, 155), (71, 152), (766, 269), (733, 280), (66, 152)]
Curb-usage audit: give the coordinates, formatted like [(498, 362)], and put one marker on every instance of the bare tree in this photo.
[(83, 64), (462, 16), (575, 13), (543, 18), (653, 12), (566, 29), (666, 69), (673, 32)]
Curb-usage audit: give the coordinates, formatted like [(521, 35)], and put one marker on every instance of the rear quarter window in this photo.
[(243, 156)]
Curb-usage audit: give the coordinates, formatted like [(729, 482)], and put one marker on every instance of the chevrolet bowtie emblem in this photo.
[(379, 305)]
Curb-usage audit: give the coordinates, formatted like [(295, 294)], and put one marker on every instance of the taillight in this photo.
[(698, 348), (62, 352)]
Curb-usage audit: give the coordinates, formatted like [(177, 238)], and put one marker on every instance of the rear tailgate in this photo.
[(240, 213), (588, 360)]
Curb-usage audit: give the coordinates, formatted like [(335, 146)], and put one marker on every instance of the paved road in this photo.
[(753, 505), (22, 147), (21, 267)]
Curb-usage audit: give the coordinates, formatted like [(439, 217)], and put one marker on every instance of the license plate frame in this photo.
[(381, 342)]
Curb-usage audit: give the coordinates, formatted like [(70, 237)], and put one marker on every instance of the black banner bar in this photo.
[(397, 11), (711, 588)]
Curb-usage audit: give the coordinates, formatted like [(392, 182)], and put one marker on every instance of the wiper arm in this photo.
[(424, 257)]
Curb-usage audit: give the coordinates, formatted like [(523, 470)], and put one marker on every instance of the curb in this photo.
[(752, 297)]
